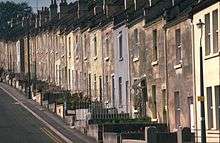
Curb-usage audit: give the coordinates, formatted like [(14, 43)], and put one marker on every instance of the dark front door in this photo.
[(177, 109)]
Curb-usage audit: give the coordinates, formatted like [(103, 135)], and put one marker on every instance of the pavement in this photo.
[(24, 121)]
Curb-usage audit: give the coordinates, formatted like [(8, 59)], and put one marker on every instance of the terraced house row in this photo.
[(139, 56)]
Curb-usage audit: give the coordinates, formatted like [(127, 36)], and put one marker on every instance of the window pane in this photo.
[(69, 73), (95, 87), (106, 84), (154, 100), (209, 107), (100, 88), (136, 35), (76, 80), (95, 45), (90, 86), (178, 45), (127, 91), (120, 45), (177, 108), (113, 91), (120, 90), (217, 102), (207, 34), (155, 45), (69, 46), (72, 87), (107, 47), (85, 50), (215, 30)]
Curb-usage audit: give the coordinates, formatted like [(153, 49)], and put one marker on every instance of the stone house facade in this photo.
[(86, 62), (155, 69), (2, 54), (96, 64), (121, 61), (108, 64), (179, 73), (208, 13), (137, 62), (138, 59)]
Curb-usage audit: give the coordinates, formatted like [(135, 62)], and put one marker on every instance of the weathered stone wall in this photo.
[(155, 70), (121, 68), (180, 78), (96, 64), (78, 51), (108, 63), (86, 54), (137, 58)]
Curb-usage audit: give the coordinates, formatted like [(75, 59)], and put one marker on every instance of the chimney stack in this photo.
[(111, 9), (63, 8), (98, 8), (82, 8), (129, 4), (53, 9)]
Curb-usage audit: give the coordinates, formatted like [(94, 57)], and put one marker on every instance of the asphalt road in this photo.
[(19, 126)]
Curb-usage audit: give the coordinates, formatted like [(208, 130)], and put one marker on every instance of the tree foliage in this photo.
[(11, 10)]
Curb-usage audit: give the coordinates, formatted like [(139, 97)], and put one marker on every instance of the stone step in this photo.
[(212, 136)]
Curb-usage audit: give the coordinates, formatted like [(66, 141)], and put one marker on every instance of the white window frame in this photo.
[(120, 57), (211, 34)]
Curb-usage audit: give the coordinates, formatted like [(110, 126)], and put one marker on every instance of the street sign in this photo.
[(200, 98)]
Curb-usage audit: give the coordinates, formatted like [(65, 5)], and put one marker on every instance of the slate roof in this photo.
[(158, 8), (202, 5)]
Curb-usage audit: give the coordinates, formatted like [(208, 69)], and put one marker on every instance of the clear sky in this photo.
[(36, 3)]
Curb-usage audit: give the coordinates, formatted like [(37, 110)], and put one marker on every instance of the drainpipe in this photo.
[(166, 76), (194, 79)]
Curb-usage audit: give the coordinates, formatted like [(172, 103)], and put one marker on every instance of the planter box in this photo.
[(38, 98), (17, 85), (59, 110), (111, 138), (52, 107), (94, 131), (45, 104), (69, 120)]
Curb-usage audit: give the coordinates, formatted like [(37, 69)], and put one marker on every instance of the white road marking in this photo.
[(39, 118)]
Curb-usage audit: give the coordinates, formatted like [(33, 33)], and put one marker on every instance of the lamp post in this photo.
[(28, 50), (201, 98)]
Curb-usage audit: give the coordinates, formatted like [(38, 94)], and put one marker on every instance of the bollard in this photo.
[(151, 134), (179, 135)]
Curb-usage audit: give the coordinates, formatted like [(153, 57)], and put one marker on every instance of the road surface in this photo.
[(17, 125)]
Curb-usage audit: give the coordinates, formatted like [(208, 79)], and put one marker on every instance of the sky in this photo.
[(36, 4)]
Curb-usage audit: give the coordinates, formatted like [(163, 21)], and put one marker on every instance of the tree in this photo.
[(11, 10)]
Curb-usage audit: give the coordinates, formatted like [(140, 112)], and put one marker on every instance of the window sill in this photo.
[(106, 59), (121, 59), (154, 63), (95, 58), (165, 108), (135, 59), (178, 66), (212, 56), (154, 120)]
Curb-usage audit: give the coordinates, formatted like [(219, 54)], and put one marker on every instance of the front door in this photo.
[(177, 109), (191, 113), (209, 107)]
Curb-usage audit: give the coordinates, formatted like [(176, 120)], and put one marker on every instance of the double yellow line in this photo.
[(51, 135)]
